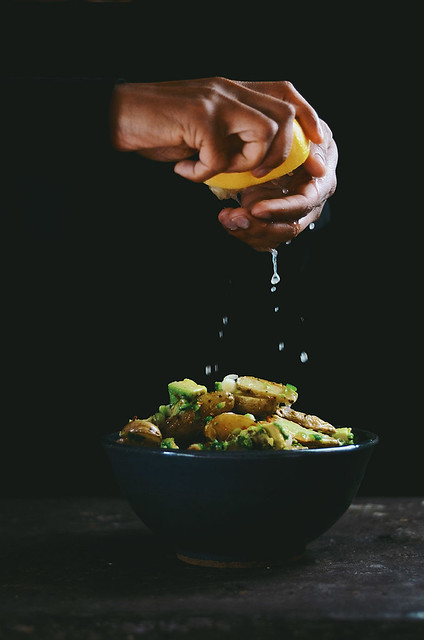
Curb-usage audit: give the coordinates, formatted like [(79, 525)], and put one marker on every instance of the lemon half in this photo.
[(226, 185)]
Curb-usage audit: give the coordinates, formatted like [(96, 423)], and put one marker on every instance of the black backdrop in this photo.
[(117, 276)]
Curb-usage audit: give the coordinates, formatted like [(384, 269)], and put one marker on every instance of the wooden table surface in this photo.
[(87, 568)]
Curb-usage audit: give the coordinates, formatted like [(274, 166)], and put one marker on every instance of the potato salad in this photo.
[(242, 412)]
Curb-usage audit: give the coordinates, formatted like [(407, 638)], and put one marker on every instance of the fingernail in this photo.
[(242, 222), (230, 225), (260, 173), (263, 215)]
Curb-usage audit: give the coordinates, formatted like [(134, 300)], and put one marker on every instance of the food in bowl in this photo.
[(241, 413)]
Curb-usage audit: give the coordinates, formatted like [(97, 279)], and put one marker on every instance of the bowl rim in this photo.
[(370, 439)]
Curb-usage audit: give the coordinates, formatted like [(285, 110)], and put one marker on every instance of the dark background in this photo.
[(116, 273)]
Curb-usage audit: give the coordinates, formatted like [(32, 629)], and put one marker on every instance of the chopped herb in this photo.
[(244, 441), (168, 443), (185, 405), (165, 410), (216, 445)]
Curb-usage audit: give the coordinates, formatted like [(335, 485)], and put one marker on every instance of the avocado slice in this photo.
[(304, 436), (187, 389)]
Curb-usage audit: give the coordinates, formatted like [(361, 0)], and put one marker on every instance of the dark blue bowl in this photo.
[(240, 508)]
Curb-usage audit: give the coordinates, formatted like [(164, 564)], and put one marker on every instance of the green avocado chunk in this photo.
[(187, 389)]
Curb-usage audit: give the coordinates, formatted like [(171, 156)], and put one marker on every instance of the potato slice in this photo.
[(214, 403), (184, 427), (256, 406), (222, 426), (141, 432), (306, 420), (251, 386)]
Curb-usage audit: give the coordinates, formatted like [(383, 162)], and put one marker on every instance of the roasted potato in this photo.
[(307, 420), (184, 427), (221, 426), (141, 432), (256, 406), (260, 388), (214, 403)]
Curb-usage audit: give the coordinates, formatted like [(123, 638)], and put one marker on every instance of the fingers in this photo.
[(241, 129), (281, 115), (322, 159), (303, 111), (235, 140), (280, 147), (265, 221), (235, 219), (266, 218), (307, 117), (315, 165), (289, 208), (261, 235)]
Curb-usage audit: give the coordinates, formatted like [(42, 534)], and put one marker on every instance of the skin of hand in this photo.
[(275, 212), (211, 125)]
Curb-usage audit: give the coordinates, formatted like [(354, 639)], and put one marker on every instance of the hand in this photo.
[(277, 211), (231, 126)]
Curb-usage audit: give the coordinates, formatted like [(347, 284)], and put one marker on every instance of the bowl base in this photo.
[(217, 562)]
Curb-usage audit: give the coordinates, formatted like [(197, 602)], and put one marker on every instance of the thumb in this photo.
[(315, 163)]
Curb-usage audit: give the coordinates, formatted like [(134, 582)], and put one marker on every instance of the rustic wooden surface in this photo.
[(87, 568)]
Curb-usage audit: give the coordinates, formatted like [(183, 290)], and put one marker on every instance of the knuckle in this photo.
[(218, 81), (270, 128), (288, 85), (217, 85), (286, 111), (290, 110), (333, 188)]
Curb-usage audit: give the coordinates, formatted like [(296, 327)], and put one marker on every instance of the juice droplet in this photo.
[(275, 277), (209, 368)]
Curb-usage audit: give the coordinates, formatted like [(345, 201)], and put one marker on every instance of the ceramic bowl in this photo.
[(240, 508)]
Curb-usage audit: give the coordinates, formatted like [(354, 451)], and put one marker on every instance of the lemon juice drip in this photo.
[(275, 277)]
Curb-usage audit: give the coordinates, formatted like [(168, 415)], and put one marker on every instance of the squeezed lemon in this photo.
[(225, 184)]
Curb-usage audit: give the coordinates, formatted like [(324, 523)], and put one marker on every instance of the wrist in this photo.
[(122, 105)]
